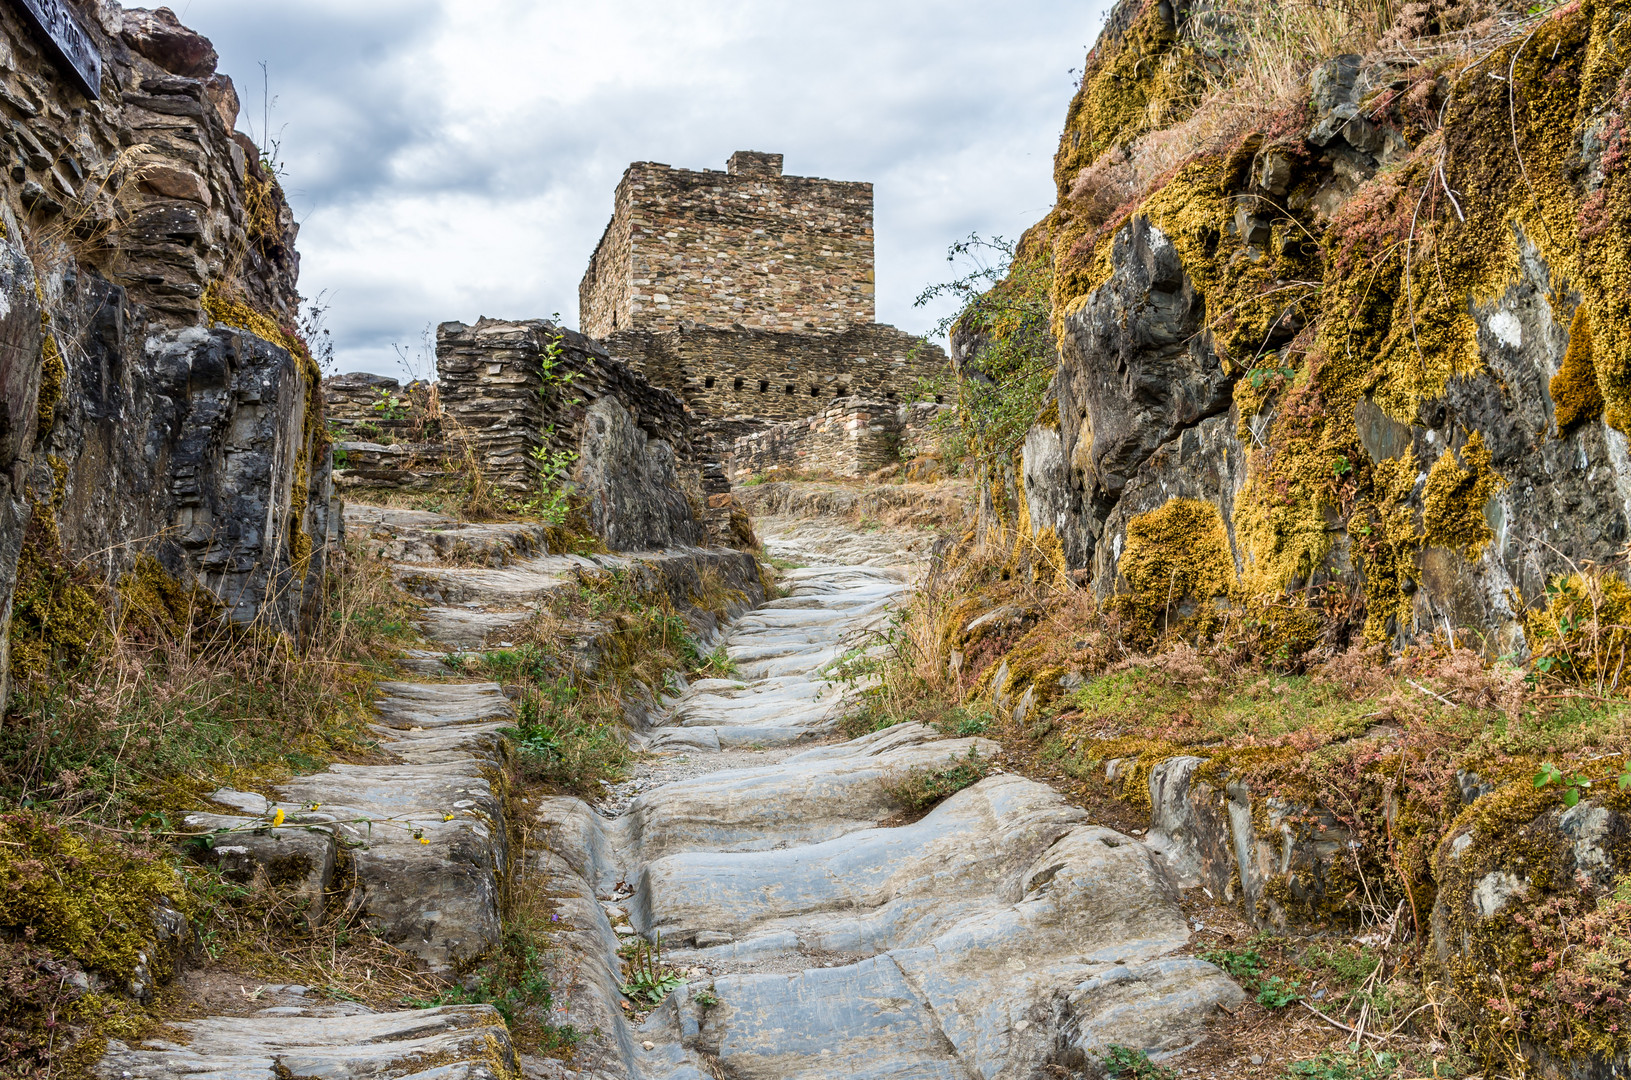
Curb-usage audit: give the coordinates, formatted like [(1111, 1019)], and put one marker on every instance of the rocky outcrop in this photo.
[(203, 448), (1252, 331), (149, 186), (155, 401), (1135, 367), (631, 485), (347, 1042)]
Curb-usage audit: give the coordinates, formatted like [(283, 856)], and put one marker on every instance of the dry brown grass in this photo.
[(155, 715), (1253, 58)]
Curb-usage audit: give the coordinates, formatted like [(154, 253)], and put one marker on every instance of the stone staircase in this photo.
[(821, 933)]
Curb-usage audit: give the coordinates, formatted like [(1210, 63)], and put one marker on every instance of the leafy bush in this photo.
[(1007, 311)]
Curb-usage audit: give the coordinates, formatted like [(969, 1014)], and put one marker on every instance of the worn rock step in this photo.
[(481, 608), (812, 797), (426, 834), (1000, 934), (345, 1042), (418, 537)]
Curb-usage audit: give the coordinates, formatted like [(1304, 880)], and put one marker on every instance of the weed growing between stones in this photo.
[(579, 662), (646, 979), (922, 788), (1124, 1063), (514, 981)]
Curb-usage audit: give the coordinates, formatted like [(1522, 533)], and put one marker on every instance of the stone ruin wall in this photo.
[(644, 476), (490, 383), (151, 187), (851, 438), (741, 380), (747, 247)]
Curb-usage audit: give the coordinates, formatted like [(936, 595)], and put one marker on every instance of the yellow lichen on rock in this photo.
[(1584, 631), (1386, 541), (57, 621), (1453, 504), (1576, 397), (1133, 82), (53, 382), (1176, 566), (154, 603), (91, 900)]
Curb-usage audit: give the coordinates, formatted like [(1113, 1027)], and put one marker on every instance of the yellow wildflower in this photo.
[(423, 840), (277, 818)]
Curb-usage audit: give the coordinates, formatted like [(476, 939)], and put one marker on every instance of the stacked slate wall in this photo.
[(747, 247), (851, 438), (493, 393), (751, 378)]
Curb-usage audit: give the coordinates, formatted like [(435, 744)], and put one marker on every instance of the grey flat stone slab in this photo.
[(455, 1042)]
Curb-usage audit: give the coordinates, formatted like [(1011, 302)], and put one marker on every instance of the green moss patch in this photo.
[(91, 900)]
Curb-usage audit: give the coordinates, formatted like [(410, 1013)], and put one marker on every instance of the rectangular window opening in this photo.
[(708, 383)]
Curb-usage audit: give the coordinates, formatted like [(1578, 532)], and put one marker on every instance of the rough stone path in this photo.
[(820, 930), (821, 933)]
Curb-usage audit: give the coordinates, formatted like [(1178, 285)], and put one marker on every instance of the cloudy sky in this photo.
[(450, 159)]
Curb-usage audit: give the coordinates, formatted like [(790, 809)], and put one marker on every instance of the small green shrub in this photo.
[(1276, 993), (566, 741), (1124, 1063), (963, 722), (1342, 1065), (718, 665), (1242, 964)]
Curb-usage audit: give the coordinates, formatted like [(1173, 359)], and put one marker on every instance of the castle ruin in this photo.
[(750, 293)]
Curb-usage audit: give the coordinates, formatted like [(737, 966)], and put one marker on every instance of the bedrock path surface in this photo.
[(820, 931)]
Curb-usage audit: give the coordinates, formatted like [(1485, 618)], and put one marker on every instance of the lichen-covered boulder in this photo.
[(1530, 927)]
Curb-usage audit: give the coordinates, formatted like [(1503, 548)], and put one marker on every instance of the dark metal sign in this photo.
[(67, 41)]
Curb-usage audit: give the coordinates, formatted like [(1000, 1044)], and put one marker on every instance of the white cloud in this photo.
[(455, 158)]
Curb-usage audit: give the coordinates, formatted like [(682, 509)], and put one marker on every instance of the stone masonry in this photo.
[(850, 438), (740, 380), (492, 390), (747, 247), (748, 293)]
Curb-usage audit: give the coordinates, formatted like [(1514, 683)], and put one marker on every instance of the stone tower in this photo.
[(749, 293), (747, 247)]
